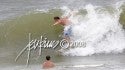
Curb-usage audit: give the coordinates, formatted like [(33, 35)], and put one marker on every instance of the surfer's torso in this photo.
[(64, 21)]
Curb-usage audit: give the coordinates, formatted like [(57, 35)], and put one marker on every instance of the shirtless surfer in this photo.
[(67, 24), (48, 63)]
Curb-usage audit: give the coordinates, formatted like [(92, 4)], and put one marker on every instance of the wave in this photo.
[(97, 26), (99, 29)]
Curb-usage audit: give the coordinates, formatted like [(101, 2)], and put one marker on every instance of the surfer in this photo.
[(48, 64), (67, 26)]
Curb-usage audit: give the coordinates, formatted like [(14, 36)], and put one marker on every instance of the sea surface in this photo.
[(99, 24)]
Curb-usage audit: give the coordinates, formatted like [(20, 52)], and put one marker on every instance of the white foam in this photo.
[(100, 29), (83, 66)]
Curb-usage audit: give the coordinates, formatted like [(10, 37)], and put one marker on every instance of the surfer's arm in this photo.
[(58, 22)]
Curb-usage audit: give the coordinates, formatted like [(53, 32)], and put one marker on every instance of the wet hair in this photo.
[(48, 57), (56, 17)]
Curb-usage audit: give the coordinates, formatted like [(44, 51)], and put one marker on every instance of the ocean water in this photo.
[(98, 23)]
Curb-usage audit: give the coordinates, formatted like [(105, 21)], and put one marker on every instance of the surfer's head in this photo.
[(56, 18), (48, 57)]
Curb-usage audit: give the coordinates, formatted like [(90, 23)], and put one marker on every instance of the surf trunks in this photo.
[(68, 31)]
